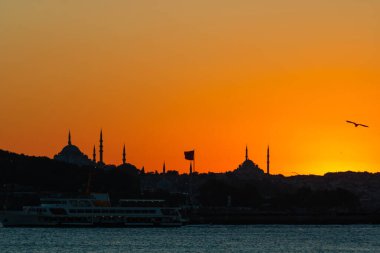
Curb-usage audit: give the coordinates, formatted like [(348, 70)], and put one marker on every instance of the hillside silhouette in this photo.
[(21, 173)]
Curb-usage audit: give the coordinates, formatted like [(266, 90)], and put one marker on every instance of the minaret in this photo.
[(163, 169), (94, 155), (246, 153), (124, 155), (101, 147), (268, 161), (69, 142)]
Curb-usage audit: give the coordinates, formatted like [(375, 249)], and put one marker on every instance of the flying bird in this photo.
[(356, 124)]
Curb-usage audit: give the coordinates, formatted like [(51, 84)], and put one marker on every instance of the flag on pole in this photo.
[(189, 155)]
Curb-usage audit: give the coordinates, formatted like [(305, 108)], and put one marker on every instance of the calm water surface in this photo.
[(205, 238)]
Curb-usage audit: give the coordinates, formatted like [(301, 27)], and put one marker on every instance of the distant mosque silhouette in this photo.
[(72, 154), (248, 167)]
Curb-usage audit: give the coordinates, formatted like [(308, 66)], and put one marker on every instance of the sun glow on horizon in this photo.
[(163, 77)]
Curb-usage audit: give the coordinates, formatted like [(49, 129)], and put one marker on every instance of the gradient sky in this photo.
[(168, 76)]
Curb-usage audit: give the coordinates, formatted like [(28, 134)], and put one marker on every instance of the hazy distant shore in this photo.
[(218, 217)]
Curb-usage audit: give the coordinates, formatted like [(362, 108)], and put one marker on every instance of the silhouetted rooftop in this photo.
[(72, 154), (249, 167)]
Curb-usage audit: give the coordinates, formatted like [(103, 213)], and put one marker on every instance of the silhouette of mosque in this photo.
[(72, 154), (248, 167)]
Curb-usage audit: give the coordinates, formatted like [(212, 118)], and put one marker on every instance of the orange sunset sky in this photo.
[(211, 75)]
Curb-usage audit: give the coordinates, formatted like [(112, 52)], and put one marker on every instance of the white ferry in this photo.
[(93, 210)]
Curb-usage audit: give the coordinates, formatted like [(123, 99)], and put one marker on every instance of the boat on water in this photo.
[(93, 210)]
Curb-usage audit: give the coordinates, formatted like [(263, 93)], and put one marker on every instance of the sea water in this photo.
[(202, 238)]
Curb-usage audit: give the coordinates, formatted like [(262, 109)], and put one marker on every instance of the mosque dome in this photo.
[(72, 154), (249, 167), (71, 150), (248, 163)]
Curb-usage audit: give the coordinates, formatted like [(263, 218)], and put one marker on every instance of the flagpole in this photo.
[(194, 161), (189, 155), (191, 179)]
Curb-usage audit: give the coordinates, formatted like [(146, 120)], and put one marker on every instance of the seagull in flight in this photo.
[(356, 124)]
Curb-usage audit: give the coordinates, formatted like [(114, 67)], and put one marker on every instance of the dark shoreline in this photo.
[(287, 219), (248, 216)]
